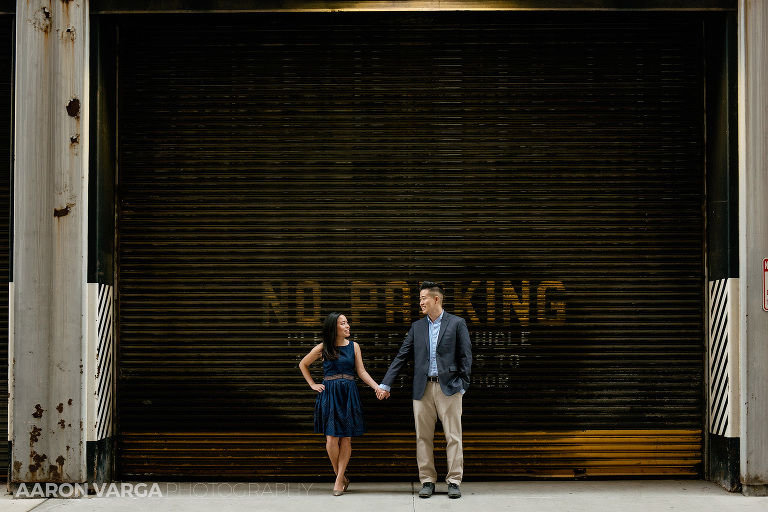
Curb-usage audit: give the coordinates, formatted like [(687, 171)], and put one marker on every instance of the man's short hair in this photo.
[(435, 288)]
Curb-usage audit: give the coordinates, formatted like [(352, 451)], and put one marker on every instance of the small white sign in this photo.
[(765, 284)]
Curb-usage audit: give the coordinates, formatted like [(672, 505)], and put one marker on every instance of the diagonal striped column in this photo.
[(101, 361), (724, 357)]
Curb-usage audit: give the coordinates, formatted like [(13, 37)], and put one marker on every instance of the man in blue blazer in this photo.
[(442, 354)]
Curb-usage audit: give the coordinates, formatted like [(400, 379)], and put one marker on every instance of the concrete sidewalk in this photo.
[(527, 496)]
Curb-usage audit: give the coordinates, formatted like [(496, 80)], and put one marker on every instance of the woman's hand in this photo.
[(317, 387)]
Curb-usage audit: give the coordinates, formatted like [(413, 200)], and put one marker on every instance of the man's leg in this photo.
[(449, 411), (425, 417)]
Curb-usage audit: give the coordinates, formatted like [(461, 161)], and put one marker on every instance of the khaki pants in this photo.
[(433, 405)]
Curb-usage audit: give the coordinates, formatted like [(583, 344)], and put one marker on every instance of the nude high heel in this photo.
[(346, 484)]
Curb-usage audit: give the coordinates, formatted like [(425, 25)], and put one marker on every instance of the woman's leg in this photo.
[(345, 453), (332, 447)]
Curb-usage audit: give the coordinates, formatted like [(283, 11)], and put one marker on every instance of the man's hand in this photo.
[(381, 394)]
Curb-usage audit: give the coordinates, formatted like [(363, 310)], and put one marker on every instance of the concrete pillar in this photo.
[(49, 300), (753, 242)]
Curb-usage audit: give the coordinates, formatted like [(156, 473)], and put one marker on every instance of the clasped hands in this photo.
[(381, 394)]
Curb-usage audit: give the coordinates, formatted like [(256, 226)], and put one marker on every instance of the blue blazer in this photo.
[(454, 356)]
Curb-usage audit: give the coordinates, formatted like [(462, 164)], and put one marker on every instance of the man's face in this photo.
[(429, 302)]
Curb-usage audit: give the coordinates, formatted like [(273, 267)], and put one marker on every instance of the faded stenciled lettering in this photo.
[(273, 303), (364, 298), (463, 301), (550, 312), (491, 302), (397, 302), (497, 355), (308, 303), (517, 303)]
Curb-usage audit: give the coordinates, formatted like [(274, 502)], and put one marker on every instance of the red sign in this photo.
[(765, 284)]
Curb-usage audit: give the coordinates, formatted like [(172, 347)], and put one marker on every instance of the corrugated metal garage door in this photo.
[(548, 170), (6, 121)]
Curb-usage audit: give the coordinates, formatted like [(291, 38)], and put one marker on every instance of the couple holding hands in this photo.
[(440, 348)]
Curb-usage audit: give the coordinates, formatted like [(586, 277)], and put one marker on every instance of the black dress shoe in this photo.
[(427, 490), (453, 491)]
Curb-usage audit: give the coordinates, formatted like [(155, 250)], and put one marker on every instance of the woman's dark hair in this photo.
[(329, 336)]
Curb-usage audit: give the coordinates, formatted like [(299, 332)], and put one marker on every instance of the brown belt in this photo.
[(339, 376)]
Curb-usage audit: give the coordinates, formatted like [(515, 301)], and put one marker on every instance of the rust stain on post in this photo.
[(73, 107), (38, 412), (42, 20), (62, 212), (34, 435), (69, 34), (56, 472), (37, 460)]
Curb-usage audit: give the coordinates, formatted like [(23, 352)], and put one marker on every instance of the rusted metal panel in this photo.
[(568, 454), (145, 6), (49, 232), (548, 170)]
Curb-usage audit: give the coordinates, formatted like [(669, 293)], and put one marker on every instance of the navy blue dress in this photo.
[(338, 411)]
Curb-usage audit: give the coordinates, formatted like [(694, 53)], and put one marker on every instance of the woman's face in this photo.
[(342, 327)]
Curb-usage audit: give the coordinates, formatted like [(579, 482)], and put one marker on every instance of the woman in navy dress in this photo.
[(338, 411)]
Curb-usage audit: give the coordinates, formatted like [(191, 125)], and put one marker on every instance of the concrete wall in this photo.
[(753, 242)]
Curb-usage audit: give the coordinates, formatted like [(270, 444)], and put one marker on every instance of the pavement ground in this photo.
[(523, 496)]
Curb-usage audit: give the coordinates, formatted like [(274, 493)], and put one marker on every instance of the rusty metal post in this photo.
[(48, 311), (753, 234)]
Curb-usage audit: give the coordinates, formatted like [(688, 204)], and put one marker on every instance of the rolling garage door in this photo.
[(548, 170)]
